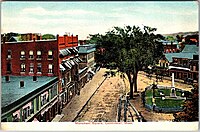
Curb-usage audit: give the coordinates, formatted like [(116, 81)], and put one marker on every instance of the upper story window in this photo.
[(50, 54), (39, 54), (23, 67), (50, 68), (22, 55), (31, 54), (9, 54)]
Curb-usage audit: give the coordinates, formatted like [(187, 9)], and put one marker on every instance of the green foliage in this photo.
[(170, 38), (48, 36), (191, 111), (129, 48)]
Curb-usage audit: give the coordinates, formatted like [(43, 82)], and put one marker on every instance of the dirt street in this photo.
[(103, 105)]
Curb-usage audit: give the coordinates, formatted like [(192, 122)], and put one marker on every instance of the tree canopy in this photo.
[(48, 36), (129, 49)]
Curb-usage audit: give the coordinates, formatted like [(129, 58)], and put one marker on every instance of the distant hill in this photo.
[(181, 33)]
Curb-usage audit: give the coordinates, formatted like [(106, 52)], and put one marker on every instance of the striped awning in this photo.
[(62, 68), (65, 52)]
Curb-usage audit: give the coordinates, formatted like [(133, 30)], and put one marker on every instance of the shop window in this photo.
[(23, 68), (31, 54), (44, 99), (50, 54)]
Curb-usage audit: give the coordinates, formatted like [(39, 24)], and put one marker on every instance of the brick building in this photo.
[(50, 58), (71, 75), (170, 47), (30, 58), (184, 65)]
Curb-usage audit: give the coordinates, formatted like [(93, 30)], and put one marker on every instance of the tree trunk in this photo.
[(135, 81), (131, 84), (131, 90)]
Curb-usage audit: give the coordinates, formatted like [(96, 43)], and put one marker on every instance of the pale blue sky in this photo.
[(84, 18)]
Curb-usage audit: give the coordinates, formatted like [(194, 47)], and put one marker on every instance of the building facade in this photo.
[(27, 99), (30, 58), (87, 55), (184, 65)]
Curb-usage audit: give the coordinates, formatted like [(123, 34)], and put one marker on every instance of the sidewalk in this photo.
[(75, 105)]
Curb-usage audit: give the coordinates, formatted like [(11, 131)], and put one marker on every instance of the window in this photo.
[(26, 112), (9, 54), (54, 91), (22, 55), (31, 54), (39, 68), (23, 67), (39, 54), (44, 99), (37, 103), (50, 54), (8, 67), (50, 68), (31, 68), (166, 64)]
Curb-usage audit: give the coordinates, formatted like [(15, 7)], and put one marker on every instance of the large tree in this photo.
[(130, 49)]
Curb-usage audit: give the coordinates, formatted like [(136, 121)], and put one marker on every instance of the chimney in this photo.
[(21, 84), (34, 78), (7, 78), (173, 80)]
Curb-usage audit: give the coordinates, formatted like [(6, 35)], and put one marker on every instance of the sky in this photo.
[(84, 18)]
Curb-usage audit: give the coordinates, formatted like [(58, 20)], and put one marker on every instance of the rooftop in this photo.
[(86, 48), (169, 56), (191, 49), (188, 52), (11, 91)]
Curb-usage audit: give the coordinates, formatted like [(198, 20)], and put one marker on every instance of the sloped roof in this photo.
[(188, 52), (13, 39), (191, 49), (169, 56)]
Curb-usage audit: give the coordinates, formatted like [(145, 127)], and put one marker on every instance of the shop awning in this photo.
[(75, 49), (62, 68), (65, 52), (181, 68), (67, 65), (92, 72), (72, 62)]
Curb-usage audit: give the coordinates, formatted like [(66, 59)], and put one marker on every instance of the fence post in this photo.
[(125, 108), (119, 109)]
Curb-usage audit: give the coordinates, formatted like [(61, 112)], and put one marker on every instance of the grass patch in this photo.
[(149, 101), (169, 103)]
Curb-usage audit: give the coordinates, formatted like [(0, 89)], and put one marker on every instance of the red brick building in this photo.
[(57, 57), (30, 58)]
